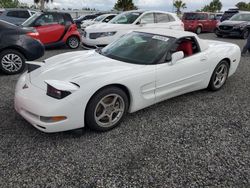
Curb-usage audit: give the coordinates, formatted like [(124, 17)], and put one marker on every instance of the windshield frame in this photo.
[(30, 21), (157, 60)]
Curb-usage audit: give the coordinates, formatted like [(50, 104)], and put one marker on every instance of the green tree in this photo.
[(214, 6), (178, 4), (42, 3), (243, 6), (9, 3), (125, 5)]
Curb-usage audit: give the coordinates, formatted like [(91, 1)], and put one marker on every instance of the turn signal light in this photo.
[(52, 119)]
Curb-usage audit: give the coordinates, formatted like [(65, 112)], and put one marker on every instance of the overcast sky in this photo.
[(142, 4)]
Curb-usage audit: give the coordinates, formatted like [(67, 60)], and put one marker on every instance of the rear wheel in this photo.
[(219, 76), (73, 42), (106, 109), (198, 30), (11, 62)]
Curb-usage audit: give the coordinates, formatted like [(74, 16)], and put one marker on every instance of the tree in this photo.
[(42, 3), (125, 5), (243, 6), (214, 6), (178, 4), (9, 3)]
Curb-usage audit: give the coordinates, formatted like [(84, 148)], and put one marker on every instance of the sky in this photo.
[(166, 5)]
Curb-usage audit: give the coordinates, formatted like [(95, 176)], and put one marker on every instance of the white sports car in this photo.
[(97, 88)]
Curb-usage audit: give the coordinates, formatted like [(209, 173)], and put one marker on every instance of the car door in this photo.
[(147, 21), (50, 29), (186, 75), (204, 21), (213, 22), (166, 21)]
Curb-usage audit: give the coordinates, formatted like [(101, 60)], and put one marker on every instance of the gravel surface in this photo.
[(201, 139)]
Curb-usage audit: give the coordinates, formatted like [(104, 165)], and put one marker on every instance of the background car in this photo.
[(104, 33), (199, 21), (138, 70), (55, 29), (229, 13), (80, 19), (238, 26), (105, 18), (15, 16), (16, 46)]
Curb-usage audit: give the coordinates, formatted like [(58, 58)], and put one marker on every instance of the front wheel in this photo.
[(219, 76), (245, 34), (11, 62), (106, 109), (73, 42)]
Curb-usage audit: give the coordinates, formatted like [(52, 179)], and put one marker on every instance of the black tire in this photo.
[(245, 34), (198, 30), (94, 106), (219, 36), (15, 66), (73, 42), (212, 84)]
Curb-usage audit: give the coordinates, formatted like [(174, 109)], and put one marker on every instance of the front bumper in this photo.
[(232, 32), (32, 103)]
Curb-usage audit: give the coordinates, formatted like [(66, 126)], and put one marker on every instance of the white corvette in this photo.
[(97, 88)]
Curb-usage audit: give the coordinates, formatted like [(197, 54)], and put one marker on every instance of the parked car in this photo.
[(199, 22), (16, 46), (138, 70), (79, 20), (229, 13), (55, 29), (105, 18), (15, 16), (102, 34), (238, 26)]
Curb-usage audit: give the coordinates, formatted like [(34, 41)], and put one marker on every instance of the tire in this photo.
[(219, 36), (73, 42), (198, 30), (245, 34), (219, 76), (106, 109), (11, 62)]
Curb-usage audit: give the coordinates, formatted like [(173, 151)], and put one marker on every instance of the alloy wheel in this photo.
[(12, 62)]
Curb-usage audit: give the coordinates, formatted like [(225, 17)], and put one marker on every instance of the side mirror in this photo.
[(177, 56), (141, 22)]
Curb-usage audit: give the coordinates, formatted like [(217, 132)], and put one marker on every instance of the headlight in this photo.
[(99, 35), (56, 93), (239, 26)]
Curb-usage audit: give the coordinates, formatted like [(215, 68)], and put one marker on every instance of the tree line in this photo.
[(124, 5)]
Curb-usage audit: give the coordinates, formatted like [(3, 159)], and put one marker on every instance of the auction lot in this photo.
[(195, 140)]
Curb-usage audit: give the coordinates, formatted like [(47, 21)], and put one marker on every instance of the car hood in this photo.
[(233, 23), (108, 27), (77, 66)]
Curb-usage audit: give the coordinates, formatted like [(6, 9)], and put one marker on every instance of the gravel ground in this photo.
[(201, 139)]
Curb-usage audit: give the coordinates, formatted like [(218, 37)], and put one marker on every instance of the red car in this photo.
[(199, 22), (54, 29)]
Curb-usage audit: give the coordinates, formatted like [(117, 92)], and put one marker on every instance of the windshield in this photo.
[(99, 18), (126, 18), (241, 17), (29, 21), (138, 48)]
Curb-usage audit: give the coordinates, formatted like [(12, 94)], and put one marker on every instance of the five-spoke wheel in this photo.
[(106, 109), (219, 76)]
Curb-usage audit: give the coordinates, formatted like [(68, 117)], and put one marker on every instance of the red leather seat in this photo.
[(186, 47)]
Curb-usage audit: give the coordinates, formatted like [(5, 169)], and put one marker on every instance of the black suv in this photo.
[(238, 26)]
